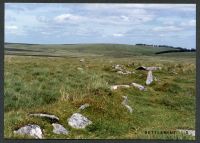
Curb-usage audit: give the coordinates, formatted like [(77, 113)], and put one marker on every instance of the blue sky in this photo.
[(167, 24)]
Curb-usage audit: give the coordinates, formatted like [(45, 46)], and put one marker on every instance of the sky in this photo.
[(51, 23)]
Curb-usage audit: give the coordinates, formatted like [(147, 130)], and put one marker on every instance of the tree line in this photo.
[(175, 49)]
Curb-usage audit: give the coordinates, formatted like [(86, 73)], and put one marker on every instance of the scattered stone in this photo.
[(148, 68), (114, 87), (120, 72), (31, 130), (188, 132), (78, 121), (84, 106), (52, 118), (140, 87), (118, 67), (82, 60), (125, 73), (149, 78), (59, 129), (125, 103), (174, 72)]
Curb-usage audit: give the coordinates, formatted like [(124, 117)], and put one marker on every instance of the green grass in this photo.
[(54, 85), (80, 50)]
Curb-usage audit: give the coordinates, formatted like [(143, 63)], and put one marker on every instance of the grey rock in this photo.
[(148, 68), (125, 103), (52, 118), (114, 87), (31, 130), (149, 78), (118, 67), (188, 132), (140, 87), (153, 68), (59, 129), (125, 73), (84, 106), (78, 121), (120, 72), (82, 60)]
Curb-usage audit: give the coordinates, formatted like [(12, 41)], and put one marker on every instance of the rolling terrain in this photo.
[(58, 79)]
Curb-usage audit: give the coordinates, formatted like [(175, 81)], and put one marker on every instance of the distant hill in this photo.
[(77, 50)]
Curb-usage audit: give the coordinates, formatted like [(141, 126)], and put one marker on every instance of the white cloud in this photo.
[(125, 18), (167, 29), (189, 23), (45, 33), (168, 22), (176, 7), (11, 27), (67, 17), (14, 30), (118, 35)]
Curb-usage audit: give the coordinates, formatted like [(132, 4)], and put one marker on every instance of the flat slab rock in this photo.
[(78, 121), (53, 118), (140, 87), (188, 132), (59, 129), (31, 130), (148, 68), (114, 87)]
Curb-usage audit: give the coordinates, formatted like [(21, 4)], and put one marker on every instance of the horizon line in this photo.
[(93, 43)]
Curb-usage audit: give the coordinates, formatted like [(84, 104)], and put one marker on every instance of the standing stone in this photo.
[(78, 121), (31, 130), (59, 129), (149, 78)]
